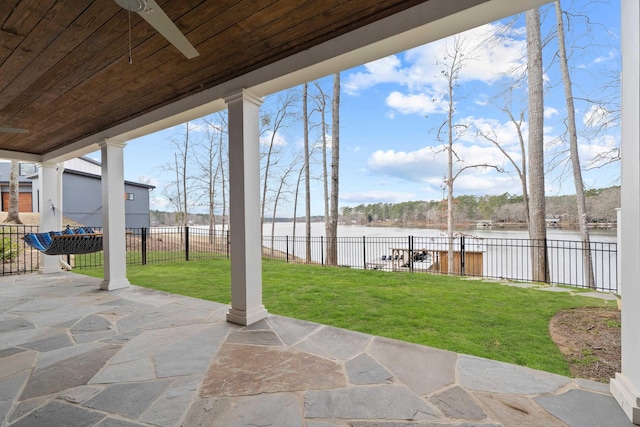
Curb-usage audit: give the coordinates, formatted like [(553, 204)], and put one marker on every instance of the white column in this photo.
[(50, 210), (113, 218), (244, 209), (626, 385)]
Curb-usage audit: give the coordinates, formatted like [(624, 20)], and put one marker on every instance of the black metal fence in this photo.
[(498, 258), (17, 257)]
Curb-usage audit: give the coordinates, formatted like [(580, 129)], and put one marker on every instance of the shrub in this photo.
[(8, 248)]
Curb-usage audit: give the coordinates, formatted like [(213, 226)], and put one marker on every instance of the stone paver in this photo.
[(515, 410), (385, 402), (458, 404), (364, 369), (72, 372), (423, 369), (246, 370), (480, 374), (582, 408), (282, 410), (57, 413), (340, 343), (73, 355), (129, 400)]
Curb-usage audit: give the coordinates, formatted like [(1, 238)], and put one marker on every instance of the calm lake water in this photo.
[(317, 230)]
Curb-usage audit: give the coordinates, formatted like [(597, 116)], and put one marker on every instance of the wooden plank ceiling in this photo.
[(65, 73)]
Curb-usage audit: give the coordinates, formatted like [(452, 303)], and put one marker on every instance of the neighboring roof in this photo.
[(92, 175), (5, 169)]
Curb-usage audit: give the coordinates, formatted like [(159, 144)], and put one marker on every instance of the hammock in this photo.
[(69, 241)]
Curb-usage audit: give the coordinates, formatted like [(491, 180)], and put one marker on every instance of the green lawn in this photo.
[(466, 316)]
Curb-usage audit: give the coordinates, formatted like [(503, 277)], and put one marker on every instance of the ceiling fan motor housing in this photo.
[(132, 5)]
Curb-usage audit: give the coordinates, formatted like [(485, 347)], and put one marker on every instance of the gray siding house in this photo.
[(81, 193), (82, 200)]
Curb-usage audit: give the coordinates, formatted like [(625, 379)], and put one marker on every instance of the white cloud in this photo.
[(550, 112), (377, 196), (267, 138), (610, 55), (429, 166), (598, 116), (592, 152), (160, 203), (491, 51), (380, 71), (504, 133), (420, 103)]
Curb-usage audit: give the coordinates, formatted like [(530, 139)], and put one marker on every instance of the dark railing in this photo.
[(470, 256), (16, 256)]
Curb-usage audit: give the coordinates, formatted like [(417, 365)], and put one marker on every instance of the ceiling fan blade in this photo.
[(159, 20), (13, 130)]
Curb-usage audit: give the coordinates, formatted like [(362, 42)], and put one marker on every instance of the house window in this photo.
[(129, 196), (27, 169)]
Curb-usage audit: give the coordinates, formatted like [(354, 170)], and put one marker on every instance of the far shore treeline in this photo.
[(500, 209)]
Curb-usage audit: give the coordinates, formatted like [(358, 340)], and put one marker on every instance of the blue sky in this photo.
[(391, 110)]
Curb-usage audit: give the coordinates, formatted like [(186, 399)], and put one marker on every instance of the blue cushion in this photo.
[(68, 231), (79, 230), (45, 238), (32, 240)]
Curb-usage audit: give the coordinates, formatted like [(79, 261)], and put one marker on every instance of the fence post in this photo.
[(287, 237), (143, 236), (462, 254), (322, 250), (228, 244), (411, 254), (364, 252), (186, 243), (547, 273)]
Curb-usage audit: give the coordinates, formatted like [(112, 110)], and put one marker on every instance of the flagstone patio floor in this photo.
[(72, 355)]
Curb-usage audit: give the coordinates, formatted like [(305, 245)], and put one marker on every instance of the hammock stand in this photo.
[(66, 242)]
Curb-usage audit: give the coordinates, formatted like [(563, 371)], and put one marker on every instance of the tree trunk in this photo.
[(325, 175), (587, 265), (184, 177), (13, 214), (450, 113), (307, 174), (332, 236), (537, 213), (295, 210)]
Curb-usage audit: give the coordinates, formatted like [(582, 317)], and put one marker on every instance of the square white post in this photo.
[(50, 210), (113, 217), (244, 209), (626, 385)]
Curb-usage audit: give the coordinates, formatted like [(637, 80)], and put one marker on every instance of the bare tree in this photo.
[(279, 194), (537, 219), (451, 67), (321, 102), (177, 191), (211, 165), (13, 214), (307, 173), (274, 122), (332, 229), (521, 169), (573, 148)]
